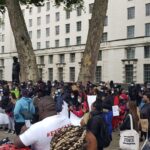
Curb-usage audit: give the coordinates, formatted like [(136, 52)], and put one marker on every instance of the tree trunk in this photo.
[(96, 26), (29, 70)]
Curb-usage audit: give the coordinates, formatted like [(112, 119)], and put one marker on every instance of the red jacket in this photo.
[(80, 112)]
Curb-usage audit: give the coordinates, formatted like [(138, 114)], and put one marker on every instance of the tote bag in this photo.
[(129, 139)]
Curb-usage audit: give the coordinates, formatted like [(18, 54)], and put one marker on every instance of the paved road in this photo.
[(113, 146)]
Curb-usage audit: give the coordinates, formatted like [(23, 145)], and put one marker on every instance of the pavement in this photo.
[(113, 146)]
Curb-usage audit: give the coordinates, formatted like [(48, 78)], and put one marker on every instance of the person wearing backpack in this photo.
[(24, 104), (97, 136)]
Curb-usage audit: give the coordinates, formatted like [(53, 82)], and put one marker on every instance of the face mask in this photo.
[(56, 92), (112, 92), (53, 97), (79, 100), (72, 96), (59, 90)]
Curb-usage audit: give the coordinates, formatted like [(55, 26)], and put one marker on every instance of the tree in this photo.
[(29, 70), (96, 25)]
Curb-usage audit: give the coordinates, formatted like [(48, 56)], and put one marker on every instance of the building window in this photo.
[(57, 16), (30, 11), (30, 34), (56, 30), (147, 9), (38, 45), (47, 32), (47, 44), (72, 74), (104, 37), (131, 13), (130, 52), (67, 41), (130, 32), (47, 19), (146, 72), (79, 26), (61, 58), (3, 37), (50, 73), (30, 22), (67, 14), (2, 49), (67, 28), (78, 40), (72, 57), (1, 62), (50, 59), (47, 6), (1, 74), (146, 51), (3, 26), (38, 21), (41, 60), (79, 10), (38, 34), (147, 29), (40, 71), (56, 43), (99, 56), (129, 73), (91, 8), (38, 9), (98, 74), (60, 74), (106, 21)]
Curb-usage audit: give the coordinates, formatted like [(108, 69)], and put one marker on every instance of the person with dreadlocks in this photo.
[(69, 138)]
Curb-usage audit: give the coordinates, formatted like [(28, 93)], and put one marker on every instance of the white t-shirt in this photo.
[(40, 134)]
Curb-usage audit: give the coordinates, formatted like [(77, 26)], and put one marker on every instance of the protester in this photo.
[(132, 109), (44, 107), (48, 99), (145, 110), (97, 131), (23, 104), (81, 106), (9, 110), (40, 134)]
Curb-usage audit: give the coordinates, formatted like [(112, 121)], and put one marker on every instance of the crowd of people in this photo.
[(34, 113)]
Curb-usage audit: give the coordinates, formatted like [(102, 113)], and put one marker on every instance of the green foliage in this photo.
[(67, 3)]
